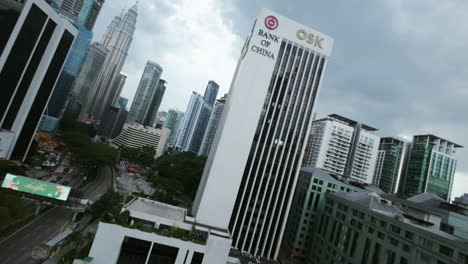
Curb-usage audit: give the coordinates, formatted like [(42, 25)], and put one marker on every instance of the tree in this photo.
[(143, 156), (178, 173), (108, 207)]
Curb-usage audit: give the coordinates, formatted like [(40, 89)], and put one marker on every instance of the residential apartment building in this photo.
[(137, 136), (35, 43), (368, 228), (343, 147), (431, 166)]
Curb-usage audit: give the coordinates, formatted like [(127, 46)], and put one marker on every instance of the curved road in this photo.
[(17, 248)]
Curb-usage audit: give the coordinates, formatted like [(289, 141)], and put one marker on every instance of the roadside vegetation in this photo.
[(175, 176), (77, 136)]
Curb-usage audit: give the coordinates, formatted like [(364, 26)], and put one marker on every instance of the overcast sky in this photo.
[(400, 66)]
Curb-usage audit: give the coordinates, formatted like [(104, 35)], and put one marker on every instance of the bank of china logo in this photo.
[(271, 22)]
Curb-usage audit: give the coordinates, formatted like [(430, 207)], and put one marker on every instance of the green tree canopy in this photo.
[(179, 173), (143, 156)]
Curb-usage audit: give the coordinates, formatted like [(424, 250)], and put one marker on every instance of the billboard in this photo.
[(42, 188)]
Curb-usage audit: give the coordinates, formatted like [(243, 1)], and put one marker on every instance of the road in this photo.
[(17, 248)]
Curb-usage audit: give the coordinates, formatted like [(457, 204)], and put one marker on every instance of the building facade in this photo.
[(252, 168), (146, 238), (194, 124), (389, 167), (368, 228), (211, 92), (312, 186), (212, 126), (122, 103), (173, 121), (82, 12), (148, 86), (343, 147), (34, 50), (137, 136), (117, 39), (152, 115), (112, 123), (85, 86), (69, 72), (431, 166)]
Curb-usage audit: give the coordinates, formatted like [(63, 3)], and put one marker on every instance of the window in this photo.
[(370, 230), (406, 248), (393, 241), (446, 250), (395, 229), (381, 235), (409, 235), (403, 260)]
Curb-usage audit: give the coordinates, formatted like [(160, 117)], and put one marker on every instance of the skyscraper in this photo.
[(389, 167), (431, 166), (82, 12), (252, 168), (117, 40), (33, 52), (194, 124), (173, 121), (147, 88), (211, 92), (69, 72), (343, 147), (112, 123), (122, 103), (151, 115), (212, 126), (85, 86)]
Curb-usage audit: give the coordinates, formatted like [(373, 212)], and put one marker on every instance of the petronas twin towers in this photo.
[(108, 83)]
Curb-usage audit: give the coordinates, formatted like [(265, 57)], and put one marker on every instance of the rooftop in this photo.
[(348, 121), (434, 137), (156, 208)]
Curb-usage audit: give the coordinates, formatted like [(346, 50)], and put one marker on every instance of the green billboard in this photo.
[(42, 188)]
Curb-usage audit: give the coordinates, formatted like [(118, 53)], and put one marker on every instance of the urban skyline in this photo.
[(378, 98), (303, 158)]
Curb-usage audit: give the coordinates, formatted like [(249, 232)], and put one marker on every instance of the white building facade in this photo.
[(253, 165), (194, 124), (32, 54), (343, 147), (137, 136)]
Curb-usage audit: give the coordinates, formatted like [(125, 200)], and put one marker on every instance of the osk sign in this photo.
[(310, 38)]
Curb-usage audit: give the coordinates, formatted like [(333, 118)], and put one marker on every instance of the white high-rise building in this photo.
[(343, 147), (252, 168), (117, 40), (194, 124)]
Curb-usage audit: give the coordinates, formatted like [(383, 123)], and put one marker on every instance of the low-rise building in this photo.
[(137, 136), (369, 228), (309, 196), (155, 232)]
